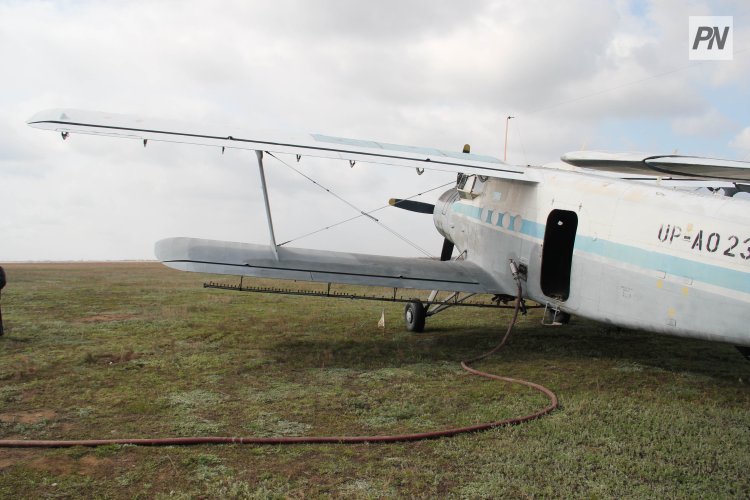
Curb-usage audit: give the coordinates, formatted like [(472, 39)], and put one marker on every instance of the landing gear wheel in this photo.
[(414, 316)]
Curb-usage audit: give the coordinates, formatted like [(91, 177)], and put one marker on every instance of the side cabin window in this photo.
[(470, 186), (557, 253)]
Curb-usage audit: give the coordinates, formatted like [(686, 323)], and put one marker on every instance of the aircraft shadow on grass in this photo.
[(582, 343)]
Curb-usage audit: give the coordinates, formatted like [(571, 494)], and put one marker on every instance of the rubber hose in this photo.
[(553, 404)]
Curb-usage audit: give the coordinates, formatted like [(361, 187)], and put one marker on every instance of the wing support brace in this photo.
[(259, 155)]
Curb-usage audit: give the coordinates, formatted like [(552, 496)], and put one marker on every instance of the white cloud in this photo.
[(742, 141), (421, 72), (711, 123)]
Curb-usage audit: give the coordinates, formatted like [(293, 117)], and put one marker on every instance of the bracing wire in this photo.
[(362, 213)]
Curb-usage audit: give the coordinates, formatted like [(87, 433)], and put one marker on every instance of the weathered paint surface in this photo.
[(617, 251), (644, 257)]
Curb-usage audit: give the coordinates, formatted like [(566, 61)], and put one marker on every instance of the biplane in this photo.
[(626, 239)]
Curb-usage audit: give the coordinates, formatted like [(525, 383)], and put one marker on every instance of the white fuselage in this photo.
[(626, 253)]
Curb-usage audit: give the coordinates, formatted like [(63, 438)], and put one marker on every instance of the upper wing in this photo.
[(244, 259), (672, 166), (91, 122)]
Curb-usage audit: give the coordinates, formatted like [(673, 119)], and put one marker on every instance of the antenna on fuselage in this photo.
[(505, 152)]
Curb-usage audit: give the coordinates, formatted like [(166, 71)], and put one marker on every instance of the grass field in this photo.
[(138, 350)]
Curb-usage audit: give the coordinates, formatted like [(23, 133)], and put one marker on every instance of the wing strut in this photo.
[(259, 154)]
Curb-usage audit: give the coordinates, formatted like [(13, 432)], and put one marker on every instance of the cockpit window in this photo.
[(470, 186)]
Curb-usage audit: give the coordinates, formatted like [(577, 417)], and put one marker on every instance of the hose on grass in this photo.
[(553, 404)]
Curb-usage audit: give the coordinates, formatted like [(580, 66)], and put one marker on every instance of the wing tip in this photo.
[(50, 115)]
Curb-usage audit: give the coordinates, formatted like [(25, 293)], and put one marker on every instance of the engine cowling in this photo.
[(442, 213)]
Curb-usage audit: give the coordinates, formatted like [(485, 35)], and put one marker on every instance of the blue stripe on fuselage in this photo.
[(677, 266), (671, 265)]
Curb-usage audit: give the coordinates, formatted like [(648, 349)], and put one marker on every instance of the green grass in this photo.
[(137, 350)]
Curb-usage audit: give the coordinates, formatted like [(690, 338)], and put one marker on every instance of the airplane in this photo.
[(625, 239)]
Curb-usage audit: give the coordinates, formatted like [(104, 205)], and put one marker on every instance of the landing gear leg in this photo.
[(414, 316), (555, 317)]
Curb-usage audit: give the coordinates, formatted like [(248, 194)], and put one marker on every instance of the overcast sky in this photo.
[(592, 74)]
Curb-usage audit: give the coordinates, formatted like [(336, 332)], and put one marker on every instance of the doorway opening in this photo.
[(557, 253)]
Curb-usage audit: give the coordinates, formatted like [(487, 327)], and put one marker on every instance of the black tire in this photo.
[(414, 316)]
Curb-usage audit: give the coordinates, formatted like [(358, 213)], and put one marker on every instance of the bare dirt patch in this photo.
[(57, 465), (11, 457), (27, 417), (110, 358), (89, 465), (104, 318)]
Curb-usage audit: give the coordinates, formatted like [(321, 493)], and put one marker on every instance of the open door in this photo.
[(557, 253)]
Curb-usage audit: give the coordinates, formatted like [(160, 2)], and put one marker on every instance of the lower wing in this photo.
[(243, 259)]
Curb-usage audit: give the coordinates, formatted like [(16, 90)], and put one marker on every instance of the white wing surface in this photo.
[(671, 166), (243, 259), (68, 121)]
